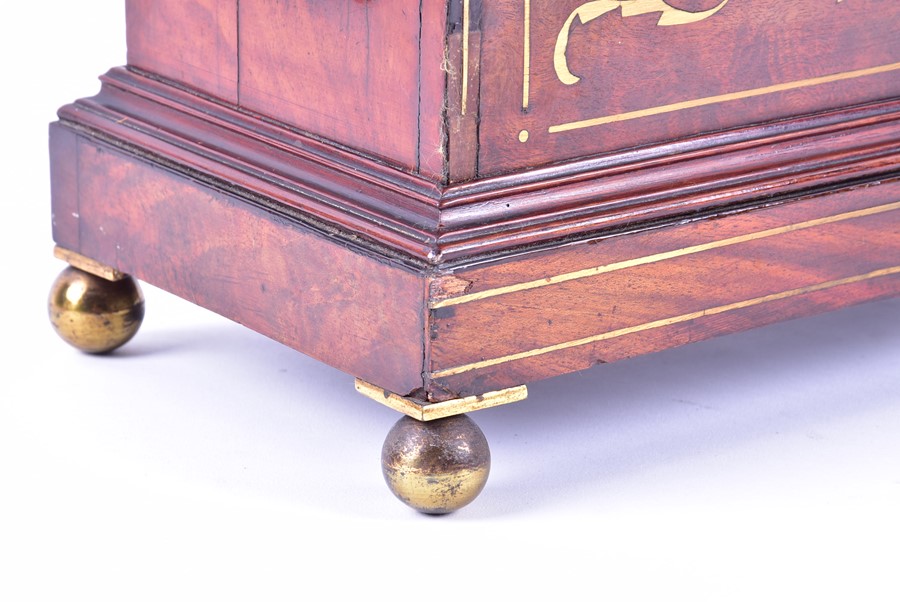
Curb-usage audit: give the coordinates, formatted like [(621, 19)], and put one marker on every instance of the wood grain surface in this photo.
[(436, 224), (601, 300), (195, 43), (343, 69), (449, 198), (355, 311), (432, 91), (751, 61)]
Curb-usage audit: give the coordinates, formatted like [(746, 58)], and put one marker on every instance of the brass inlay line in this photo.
[(666, 322), (465, 50), (630, 263), (433, 411), (526, 80), (709, 100), (86, 264)]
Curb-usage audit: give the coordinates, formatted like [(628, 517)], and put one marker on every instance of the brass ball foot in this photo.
[(436, 467), (93, 314)]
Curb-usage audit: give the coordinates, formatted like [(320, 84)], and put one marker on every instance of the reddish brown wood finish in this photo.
[(379, 67), (389, 78), (438, 224), (769, 262), (334, 175), (191, 42), (432, 84), (343, 69), (64, 174), (630, 63), (351, 309)]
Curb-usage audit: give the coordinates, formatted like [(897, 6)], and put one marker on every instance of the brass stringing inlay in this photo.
[(595, 271), (666, 322), (699, 102), (656, 257), (526, 79)]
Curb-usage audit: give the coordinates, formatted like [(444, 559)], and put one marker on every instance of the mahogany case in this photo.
[(450, 197)]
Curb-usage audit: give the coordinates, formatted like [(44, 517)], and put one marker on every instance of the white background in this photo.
[(207, 462)]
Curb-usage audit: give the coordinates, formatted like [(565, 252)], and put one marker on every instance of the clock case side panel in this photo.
[(367, 76), (239, 254)]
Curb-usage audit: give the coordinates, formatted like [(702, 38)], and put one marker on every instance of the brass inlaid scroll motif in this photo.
[(594, 10), (669, 16)]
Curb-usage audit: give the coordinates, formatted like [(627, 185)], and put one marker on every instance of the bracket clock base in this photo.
[(434, 340), (445, 225)]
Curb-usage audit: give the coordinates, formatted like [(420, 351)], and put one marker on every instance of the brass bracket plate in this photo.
[(425, 411), (86, 264)]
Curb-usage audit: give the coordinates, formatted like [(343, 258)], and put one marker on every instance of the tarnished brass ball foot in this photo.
[(93, 314), (436, 467)]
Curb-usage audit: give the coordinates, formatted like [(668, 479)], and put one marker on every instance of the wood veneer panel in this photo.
[(64, 186), (585, 356), (343, 69), (338, 188), (628, 64), (642, 294), (193, 42), (351, 310), (640, 306), (537, 265)]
